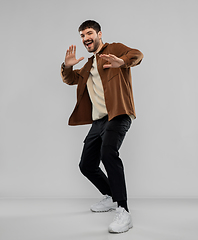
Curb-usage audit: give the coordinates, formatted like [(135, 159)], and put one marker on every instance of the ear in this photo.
[(100, 34)]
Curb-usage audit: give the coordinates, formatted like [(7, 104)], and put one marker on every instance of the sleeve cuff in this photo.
[(126, 61)]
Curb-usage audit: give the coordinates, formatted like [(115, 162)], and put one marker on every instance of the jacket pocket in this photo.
[(112, 72)]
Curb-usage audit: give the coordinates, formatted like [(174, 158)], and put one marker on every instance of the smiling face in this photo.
[(91, 39)]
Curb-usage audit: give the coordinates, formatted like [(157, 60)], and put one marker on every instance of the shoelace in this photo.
[(118, 217), (104, 199)]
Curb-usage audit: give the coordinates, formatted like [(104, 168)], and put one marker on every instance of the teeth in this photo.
[(87, 43)]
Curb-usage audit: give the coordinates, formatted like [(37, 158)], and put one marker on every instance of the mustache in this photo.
[(88, 41)]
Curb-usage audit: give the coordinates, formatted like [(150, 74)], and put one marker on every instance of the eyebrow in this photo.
[(86, 33)]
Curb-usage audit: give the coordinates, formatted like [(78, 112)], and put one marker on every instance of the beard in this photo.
[(93, 46)]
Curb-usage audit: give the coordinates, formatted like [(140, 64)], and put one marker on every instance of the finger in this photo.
[(67, 53), (107, 66), (75, 49), (80, 59), (105, 57), (109, 58), (112, 56), (69, 49)]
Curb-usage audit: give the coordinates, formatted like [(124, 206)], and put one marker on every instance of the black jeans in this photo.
[(103, 143)]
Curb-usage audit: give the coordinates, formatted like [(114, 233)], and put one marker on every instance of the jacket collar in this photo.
[(104, 46)]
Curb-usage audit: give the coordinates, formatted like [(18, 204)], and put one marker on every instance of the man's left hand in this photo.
[(114, 62)]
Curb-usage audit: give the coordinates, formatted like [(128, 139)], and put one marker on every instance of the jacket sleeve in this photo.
[(131, 57), (69, 75)]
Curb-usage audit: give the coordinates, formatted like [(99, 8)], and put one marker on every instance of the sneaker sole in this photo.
[(122, 230), (104, 210)]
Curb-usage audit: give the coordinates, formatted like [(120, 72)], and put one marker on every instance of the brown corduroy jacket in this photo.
[(117, 84)]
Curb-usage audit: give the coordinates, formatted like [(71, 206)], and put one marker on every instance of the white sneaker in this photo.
[(105, 205), (122, 221)]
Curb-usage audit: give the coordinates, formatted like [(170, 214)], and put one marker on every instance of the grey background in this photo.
[(39, 152)]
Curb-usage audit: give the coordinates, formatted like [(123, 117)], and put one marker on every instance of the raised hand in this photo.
[(70, 58), (114, 61)]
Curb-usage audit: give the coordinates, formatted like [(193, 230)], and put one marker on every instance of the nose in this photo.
[(85, 38)]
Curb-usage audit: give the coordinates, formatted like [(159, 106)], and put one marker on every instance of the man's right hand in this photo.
[(70, 58)]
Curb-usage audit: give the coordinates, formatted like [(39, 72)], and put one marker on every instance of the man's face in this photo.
[(91, 39)]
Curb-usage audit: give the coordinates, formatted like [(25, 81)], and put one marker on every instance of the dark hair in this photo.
[(90, 24)]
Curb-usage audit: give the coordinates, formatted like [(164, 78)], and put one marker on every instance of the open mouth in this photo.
[(88, 43)]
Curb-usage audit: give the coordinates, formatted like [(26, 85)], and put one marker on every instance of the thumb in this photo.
[(80, 59), (107, 66)]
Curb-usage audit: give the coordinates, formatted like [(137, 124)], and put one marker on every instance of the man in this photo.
[(104, 99)]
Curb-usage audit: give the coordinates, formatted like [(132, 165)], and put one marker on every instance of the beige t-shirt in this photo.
[(96, 93)]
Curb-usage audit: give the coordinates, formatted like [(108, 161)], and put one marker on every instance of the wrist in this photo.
[(65, 66), (121, 62)]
